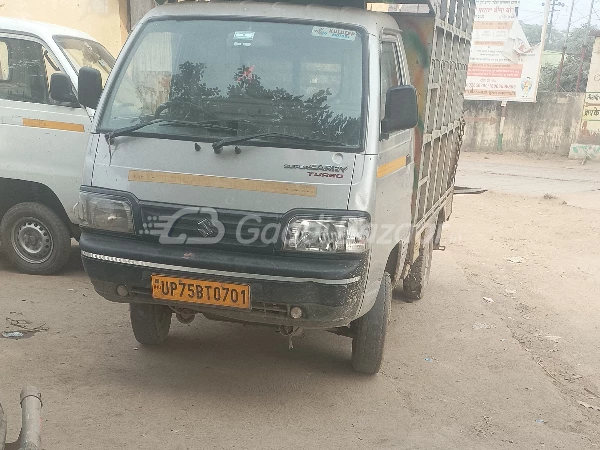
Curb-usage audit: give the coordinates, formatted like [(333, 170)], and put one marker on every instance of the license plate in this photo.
[(200, 291)]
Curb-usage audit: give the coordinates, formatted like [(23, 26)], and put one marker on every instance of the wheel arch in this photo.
[(20, 191), (395, 262)]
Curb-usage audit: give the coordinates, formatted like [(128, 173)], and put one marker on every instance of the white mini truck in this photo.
[(281, 164), (44, 132)]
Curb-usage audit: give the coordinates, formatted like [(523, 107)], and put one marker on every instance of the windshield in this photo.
[(248, 77), (84, 53)]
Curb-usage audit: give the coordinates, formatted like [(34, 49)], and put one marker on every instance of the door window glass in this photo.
[(25, 70), (27, 75), (389, 71), (84, 53)]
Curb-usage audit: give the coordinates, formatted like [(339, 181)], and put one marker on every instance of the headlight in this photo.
[(331, 235), (105, 212)]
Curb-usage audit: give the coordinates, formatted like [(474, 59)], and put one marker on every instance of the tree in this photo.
[(568, 80), (533, 32)]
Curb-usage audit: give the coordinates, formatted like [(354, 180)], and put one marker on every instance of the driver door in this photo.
[(42, 141)]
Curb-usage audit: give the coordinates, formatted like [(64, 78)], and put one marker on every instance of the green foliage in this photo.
[(533, 32), (568, 79), (309, 116), (577, 38), (581, 36)]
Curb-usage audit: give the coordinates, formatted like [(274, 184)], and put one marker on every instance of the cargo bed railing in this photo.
[(437, 42)]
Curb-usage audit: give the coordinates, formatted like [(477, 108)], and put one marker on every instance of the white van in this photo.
[(44, 132), (280, 164)]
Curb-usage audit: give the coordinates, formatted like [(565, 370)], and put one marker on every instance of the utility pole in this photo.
[(564, 49), (543, 38), (545, 24), (583, 47), (551, 20), (554, 4)]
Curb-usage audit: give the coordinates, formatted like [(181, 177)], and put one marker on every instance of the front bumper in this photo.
[(329, 291)]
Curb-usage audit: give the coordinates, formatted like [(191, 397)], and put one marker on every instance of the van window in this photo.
[(23, 71), (245, 77), (389, 70), (84, 53), (4, 73)]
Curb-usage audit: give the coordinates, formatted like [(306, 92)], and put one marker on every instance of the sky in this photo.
[(532, 11)]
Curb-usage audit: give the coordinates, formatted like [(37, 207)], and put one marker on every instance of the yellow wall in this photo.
[(105, 20)]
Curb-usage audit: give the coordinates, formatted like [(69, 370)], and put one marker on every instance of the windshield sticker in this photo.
[(335, 33), (244, 35)]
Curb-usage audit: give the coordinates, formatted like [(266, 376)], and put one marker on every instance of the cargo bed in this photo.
[(437, 40)]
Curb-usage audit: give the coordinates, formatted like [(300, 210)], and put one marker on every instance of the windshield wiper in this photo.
[(218, 145), (182, 123)]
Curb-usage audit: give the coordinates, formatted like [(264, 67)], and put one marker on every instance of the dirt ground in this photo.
[(497, 355)]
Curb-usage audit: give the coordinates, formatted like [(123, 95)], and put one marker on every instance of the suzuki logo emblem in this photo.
[(206, 228)]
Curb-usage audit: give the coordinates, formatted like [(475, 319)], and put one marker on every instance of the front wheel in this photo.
[(150, 323), (368, 343), (35, 239)]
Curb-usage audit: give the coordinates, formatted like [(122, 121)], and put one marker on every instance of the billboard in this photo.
[(502, 64)]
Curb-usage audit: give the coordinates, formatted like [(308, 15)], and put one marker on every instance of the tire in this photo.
[(368, 344), (413, 286), (150, 323), (35, 239)]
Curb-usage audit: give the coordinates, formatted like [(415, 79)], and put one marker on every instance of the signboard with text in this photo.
[(502, 64)]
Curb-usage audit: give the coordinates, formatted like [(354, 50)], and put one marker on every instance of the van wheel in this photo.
[(35, 239), (150, 323), (416, 281), (367, 345)]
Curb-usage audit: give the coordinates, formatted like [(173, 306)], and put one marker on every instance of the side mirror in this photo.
[(61, 89), (89, 87), (401, 111)]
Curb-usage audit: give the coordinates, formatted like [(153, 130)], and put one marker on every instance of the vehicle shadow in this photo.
[(75, 265), (226, 362)]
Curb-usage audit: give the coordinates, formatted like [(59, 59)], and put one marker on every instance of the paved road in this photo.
[(460, 372), (573, 182)]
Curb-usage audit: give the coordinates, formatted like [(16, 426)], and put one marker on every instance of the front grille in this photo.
[(243, 231)]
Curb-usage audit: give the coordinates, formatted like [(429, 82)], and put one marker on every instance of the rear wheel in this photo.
[(367, 345), (413, 286), (35, 239), (150, 323)]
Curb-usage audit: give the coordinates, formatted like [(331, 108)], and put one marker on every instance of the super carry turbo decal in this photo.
[(319, 170)]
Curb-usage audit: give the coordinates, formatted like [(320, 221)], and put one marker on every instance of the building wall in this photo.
[(587, 144), (138, 8), (548, 126), (105, 20)]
